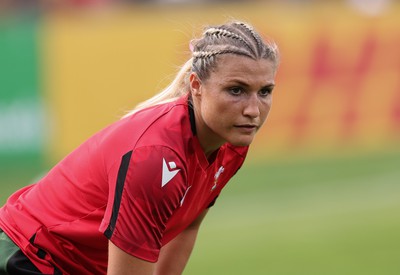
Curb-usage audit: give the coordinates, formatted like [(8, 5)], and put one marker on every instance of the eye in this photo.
[(235, 91), (265, 91)]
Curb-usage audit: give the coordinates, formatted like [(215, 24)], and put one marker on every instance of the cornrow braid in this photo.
[(260, 43), (208, 54), (227, 49), (204, 60), (222, 32)]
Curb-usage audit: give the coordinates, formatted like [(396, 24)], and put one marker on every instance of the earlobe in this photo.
[(195, 84)]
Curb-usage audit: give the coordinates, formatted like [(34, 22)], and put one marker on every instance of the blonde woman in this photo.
[(130, 199)]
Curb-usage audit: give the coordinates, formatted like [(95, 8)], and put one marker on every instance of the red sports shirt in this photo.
[(139, 183)]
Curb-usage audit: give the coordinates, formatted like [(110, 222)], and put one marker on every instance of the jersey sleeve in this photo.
[(145, 190)]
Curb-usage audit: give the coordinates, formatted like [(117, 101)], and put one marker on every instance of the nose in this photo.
[(251, 106)]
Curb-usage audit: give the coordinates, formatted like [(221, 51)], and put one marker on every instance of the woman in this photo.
[(130, 199)]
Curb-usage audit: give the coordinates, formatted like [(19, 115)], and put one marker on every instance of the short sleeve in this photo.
[(145, 190)]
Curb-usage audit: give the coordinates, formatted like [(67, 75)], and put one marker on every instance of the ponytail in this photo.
[(177, 88)]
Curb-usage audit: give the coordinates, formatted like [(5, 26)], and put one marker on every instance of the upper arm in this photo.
[(197, 222), (175, 254), (120, 263), (145, 190)]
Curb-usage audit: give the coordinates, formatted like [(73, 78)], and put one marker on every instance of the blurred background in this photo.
[(320, 192)]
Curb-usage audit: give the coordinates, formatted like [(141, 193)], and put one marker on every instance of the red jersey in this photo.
[(139, 183)]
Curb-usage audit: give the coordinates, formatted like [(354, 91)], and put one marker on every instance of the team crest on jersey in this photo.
[(216, 177)]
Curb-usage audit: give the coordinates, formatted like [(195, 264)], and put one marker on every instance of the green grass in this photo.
[(326, 216), (18, 172)]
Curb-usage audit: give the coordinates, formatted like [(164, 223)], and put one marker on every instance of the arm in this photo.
[(175, 255), (121, 263)]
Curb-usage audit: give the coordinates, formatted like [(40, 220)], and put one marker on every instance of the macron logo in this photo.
[(168, 172)]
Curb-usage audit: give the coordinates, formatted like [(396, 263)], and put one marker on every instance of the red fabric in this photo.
[(67, 212)]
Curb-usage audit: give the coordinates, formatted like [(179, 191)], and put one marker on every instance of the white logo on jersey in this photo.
[(168, 174), (184, 196), (216, 177)]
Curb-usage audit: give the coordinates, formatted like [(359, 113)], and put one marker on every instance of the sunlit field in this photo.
[(305, 216), (334, 216)]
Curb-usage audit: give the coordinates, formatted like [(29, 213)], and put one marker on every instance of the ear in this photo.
[(195, 84)]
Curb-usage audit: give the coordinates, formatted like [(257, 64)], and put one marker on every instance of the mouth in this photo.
[(248, 128)]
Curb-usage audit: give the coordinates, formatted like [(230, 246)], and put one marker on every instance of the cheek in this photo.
[(217, 114), (265, 109), (213, 104), (213, 112)]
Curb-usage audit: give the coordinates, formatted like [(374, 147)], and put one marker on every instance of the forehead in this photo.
[(238, 67)]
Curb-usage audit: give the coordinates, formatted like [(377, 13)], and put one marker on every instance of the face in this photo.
[(233, 103)]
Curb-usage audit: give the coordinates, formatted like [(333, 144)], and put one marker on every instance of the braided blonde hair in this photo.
[(234, 38)]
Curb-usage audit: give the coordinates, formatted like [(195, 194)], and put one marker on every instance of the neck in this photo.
[(209, 141)]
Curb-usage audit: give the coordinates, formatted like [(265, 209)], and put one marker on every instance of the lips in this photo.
[(248, 128)]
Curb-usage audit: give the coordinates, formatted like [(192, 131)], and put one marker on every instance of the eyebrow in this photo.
[(270, 86)]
